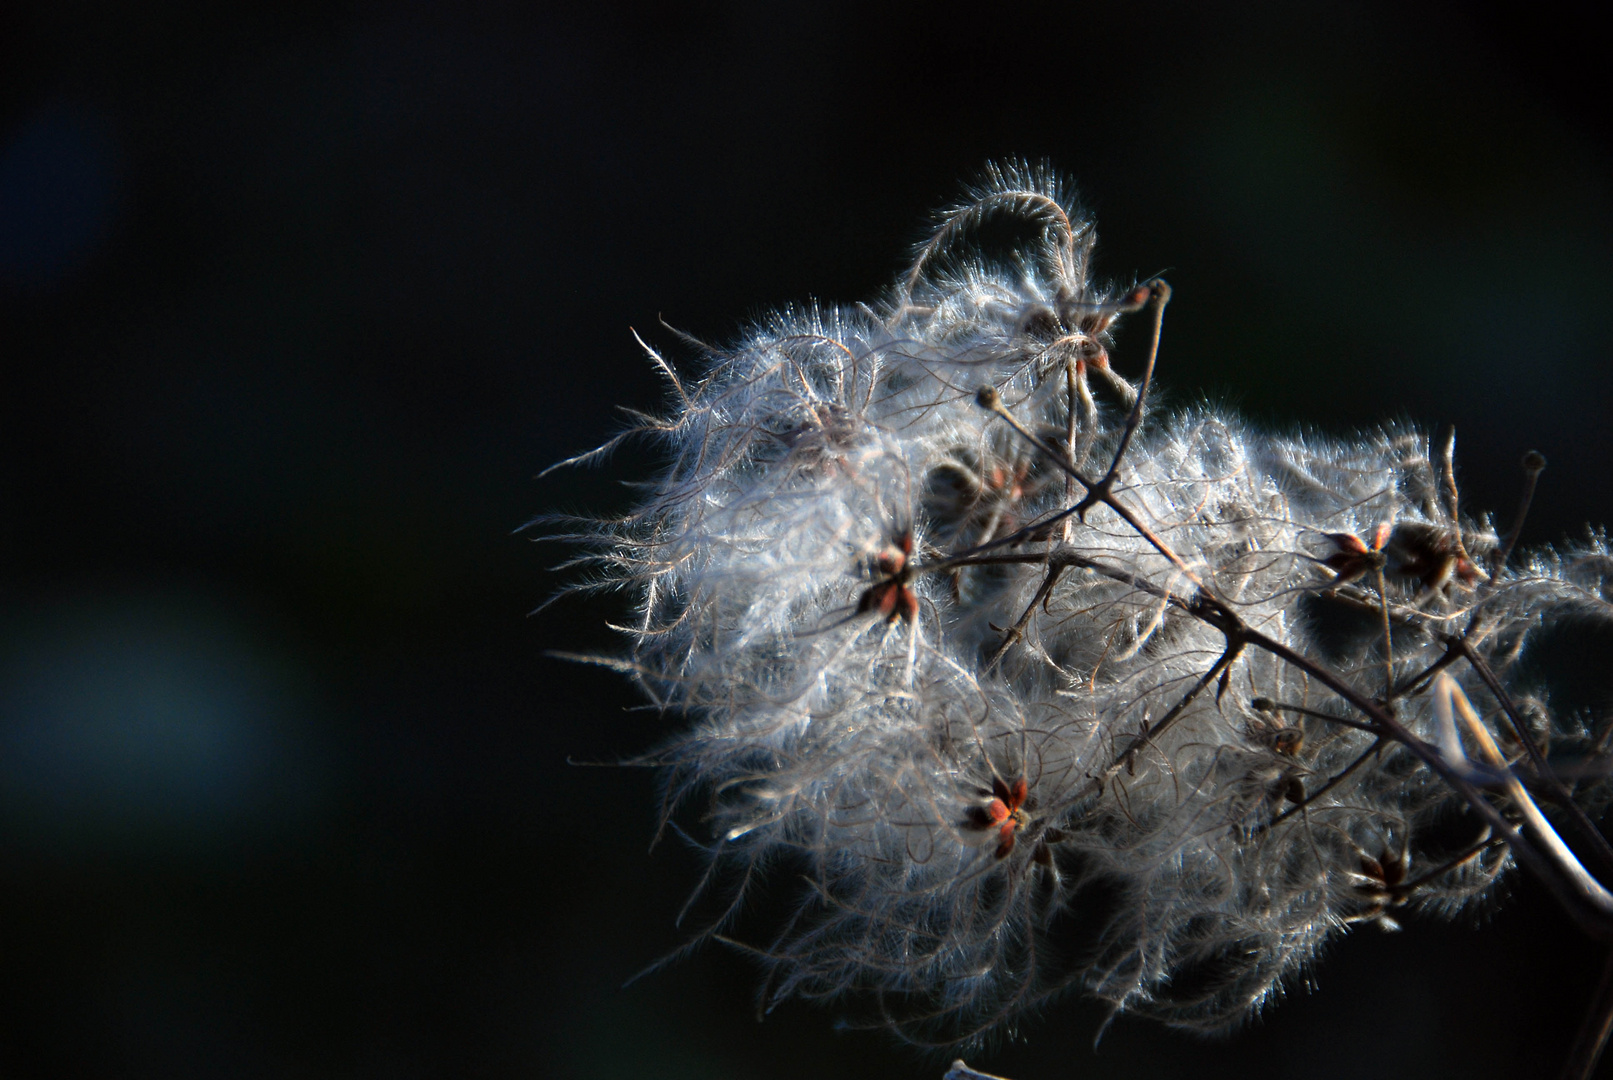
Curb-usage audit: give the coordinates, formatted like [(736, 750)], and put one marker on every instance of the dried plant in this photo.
[(1013, 686)]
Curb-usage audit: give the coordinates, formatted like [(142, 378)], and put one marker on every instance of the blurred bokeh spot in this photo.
[(58, 181), (148, 725)]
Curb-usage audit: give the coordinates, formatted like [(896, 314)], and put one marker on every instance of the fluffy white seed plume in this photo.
[(995, 748)]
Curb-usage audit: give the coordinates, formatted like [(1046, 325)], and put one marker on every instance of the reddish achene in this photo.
[(1005, 812)]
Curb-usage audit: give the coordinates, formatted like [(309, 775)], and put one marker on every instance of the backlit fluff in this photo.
[(962, 812)]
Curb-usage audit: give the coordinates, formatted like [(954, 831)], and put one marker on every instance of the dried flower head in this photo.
[(1019, 687)]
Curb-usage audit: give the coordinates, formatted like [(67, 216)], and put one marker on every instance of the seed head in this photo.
[(972, 731)]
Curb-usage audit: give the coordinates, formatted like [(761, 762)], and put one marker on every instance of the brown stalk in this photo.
[(1582, 896)]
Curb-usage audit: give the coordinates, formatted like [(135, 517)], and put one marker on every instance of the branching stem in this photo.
[(1160, 726), (1584, 897), (1337, 779)]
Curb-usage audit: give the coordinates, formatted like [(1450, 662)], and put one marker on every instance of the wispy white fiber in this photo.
[(863, 595)]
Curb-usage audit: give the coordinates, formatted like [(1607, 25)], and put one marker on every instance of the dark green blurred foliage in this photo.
[(296, 299)]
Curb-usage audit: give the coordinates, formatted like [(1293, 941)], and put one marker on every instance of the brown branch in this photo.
[(1017, 631), (1160, 294), (1125, 760), (1278, 706), (1419, 681), (1587, 902), (1064, 557), (990, 400), (1406, 888), (1377, 745), (1583, 828)]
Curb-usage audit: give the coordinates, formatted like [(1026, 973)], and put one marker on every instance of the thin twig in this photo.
[(1584, 829), (1418, 682), (992, 401), (1388, 636), (1588, 1044), (1017, 631), (1587, 902), (1534, 463), (1447, 473), (1163, 724), (1582, 896), (1070, 398), (1159, 293), (1548, 843), (1406, 888), (1377, 745), (1278, 706)]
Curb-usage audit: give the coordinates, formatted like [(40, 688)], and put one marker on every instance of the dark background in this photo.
[(296, 300)]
